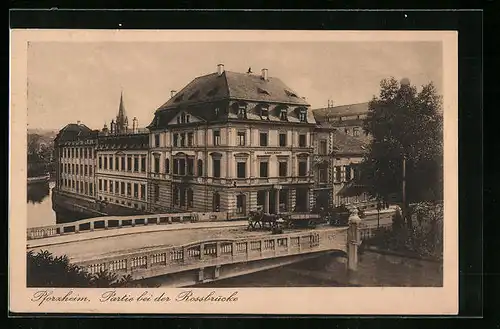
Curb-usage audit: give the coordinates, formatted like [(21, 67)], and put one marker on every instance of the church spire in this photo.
[(121, 118)]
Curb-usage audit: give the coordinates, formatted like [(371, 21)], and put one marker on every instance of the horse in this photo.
[(261, 219)]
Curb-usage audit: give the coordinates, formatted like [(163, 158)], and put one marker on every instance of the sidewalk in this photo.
[(102, 233)]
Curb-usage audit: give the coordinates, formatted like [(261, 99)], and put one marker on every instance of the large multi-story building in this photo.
[(232, 142), (347, 119)]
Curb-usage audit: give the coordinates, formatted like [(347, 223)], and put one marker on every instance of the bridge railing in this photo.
[(107, 222), (171, 259)]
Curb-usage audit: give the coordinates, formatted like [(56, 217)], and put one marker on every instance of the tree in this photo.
[(404, 124)]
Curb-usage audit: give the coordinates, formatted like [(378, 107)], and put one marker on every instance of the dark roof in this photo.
[(344, 110), (73, 131), (345, 144), (235, 86)]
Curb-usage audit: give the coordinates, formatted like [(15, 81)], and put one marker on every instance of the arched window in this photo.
[(167, 166), (200, 168)]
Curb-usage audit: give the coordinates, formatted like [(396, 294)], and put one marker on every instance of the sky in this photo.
[(70, 82)]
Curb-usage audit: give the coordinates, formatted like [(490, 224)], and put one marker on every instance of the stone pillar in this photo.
[(353, 240), (266, 203), (91, 226)]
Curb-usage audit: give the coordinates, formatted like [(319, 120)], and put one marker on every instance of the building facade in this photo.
[(232, 142), (347, 119)]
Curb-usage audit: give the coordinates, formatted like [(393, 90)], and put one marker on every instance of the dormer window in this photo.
[(264, 112), (290, 93), (183, 117), (187, 118), (178, 119), (283, 114), (216, 112), (242, 112), (302, 115), (262, 91)]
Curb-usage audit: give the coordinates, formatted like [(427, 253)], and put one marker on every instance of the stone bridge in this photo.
[(174, 251)]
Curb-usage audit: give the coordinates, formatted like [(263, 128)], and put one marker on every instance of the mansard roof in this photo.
[(339, 111), (234, 86), (73, 131)]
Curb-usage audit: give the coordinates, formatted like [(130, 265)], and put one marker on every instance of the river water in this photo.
[(374, 269)]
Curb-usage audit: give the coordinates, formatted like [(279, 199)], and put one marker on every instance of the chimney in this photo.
[(134, 125), (264, 74), (220, 69), (172, 93), (78, 122)]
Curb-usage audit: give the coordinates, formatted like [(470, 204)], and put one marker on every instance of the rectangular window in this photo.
[(182, 166), (136, 190), (190, 139), (283, 169), (190, 167), (77, 167), (303, 116), (105, 182), (111, 163), (122, 188), (355, 131), (117, 164), (242, 112), (302, 140), (85, 153), (143, 164), (143, 192), (176, 166), (129, 189), (122, 160), (157, 192), (337, 173), (216, 137), (283, 115), (117, 187), (241, 169), (100, 162), (176, 140), (263, 139), (111, 186), (348, 173), (216, 163), (100, 184), (282, 139), (105, 163), (129, 163), (239, 203), (183, 140), (322, 175), (86, 172), (263, 169), (91, 188), (241, 138), (157, 164), (302, 168), (136, 164), (81, 169), (322, 147), (157, 140)]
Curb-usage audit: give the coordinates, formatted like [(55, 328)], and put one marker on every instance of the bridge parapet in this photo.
[(214, 253), (111, 222)]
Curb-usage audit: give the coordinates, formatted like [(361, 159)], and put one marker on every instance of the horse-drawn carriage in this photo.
[(276, 222)]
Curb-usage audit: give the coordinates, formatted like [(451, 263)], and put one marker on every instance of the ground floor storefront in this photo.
[(236, 201)]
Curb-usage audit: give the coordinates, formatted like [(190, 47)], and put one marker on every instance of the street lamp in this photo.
[(379, 207)]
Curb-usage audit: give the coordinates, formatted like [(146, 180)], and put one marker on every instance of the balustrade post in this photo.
[(216, 272), (106, 224), (233, 249), (202, 251), (217, 250), (299, 242), (353, 240), (77, 228), (133, 222), (158, 220), (120, 223), (201, 274), (91, 224)]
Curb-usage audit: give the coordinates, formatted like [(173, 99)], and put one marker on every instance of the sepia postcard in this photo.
[(233, 172)]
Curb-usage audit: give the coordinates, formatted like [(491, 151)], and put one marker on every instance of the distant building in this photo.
[(345, 118), (232, 142)]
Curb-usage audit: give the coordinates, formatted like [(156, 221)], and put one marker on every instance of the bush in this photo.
[(423, 239), (45, 270)]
